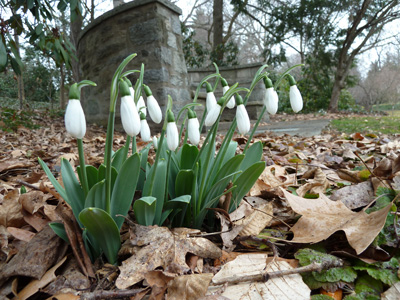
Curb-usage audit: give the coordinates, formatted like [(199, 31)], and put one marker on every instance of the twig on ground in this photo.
[(267, 275), (29, 185), (115, 294)]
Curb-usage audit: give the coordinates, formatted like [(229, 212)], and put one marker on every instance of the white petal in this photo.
[(271, 101), (231, 103), (155, 142), (129, 116), (212, 115), (75, 122), (144, 131), (210, 101), (296, 101), (172, 136), (243, 121), (194, 131), (141, 106), (132, 92), (154, 109)]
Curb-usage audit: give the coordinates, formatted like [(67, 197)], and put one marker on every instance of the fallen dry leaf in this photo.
[(162, 247), (277, 288), (355, 196), (322, 217), (35, 285), (21, 234), (10, 210), (189, 287), (393, 293), (317, 185)]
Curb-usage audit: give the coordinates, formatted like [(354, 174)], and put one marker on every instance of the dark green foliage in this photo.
[(11, 119)]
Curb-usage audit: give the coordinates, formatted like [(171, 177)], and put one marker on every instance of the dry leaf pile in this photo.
[(281, 214)]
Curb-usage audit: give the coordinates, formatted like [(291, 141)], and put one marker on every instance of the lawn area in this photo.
[(388, 124)]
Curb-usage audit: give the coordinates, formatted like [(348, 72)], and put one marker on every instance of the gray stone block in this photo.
[(145, 32)]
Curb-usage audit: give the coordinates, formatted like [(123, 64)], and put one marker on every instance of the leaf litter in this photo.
[(312, 191)]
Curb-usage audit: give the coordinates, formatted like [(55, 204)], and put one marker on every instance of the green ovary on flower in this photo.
[(129, 116), (75, 122)]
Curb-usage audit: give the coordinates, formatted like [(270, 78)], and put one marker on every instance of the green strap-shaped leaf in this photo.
[(188, 156), (144, 153), (119, 158), (145, 210), (73, 189), (3, 55), (176, 206), (245, 182), (59, 229), (102, 175), (103, 228), (91, 173), (253, 155), (184, 183), (54, 181), (97, 196), (124, 189), (229, 167), (158, 189)]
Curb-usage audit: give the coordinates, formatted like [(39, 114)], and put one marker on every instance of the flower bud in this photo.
[(296, 101), (152, 105), (213, 113), (75, 122), (271, 101), (172, 132), (144, 128), (155, 142), (141, 106), (193, 128), (225, 88), (129, 115)]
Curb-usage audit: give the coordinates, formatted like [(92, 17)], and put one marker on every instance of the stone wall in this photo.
[(244, 76), (150, 28)]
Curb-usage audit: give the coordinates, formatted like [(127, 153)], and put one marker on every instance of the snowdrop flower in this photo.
[(193, 128), (210, 99), (75, 122), (296, 101), (172, 132), (225, 88), (129, 116), (141, 105), (213, 113), (242, 117), (153, 107), (144, 128), (270, 97), (155, 142)]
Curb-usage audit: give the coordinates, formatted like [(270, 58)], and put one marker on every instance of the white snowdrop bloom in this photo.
[(231, 102), (75, 122), (154, 109), (194, 131), (210, 101), (172, 136), (212, 115), (296, 101), (155, 142), (141, 106), (242, 117), (129, 116), (144, 130), (271, 101)]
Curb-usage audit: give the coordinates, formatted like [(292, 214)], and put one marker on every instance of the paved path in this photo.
[(302, 128)]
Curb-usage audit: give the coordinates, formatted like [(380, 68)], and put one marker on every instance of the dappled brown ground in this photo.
[(335, 165)]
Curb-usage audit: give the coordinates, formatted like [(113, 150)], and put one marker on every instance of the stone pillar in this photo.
[(150, 28)]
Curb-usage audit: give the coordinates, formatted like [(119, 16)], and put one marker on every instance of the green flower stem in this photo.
[(204, 177), (82, 164), (158, 153), (134, 148), (167, 177), (254, 129), (107, 157)]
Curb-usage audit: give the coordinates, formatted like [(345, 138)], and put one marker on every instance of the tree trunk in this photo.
[(20, 79), (218, 24), (76, 28), (62, 88)]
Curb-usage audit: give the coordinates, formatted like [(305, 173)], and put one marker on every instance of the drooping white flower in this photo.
[(193, 128), (144, 128), (296, 101), (75, 122), (172, 132), (242, 117), (225, 88), (210, 98), (213, 113), (271, 100), (155, 142), (129, 115), (153, 107), (141, 106)]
